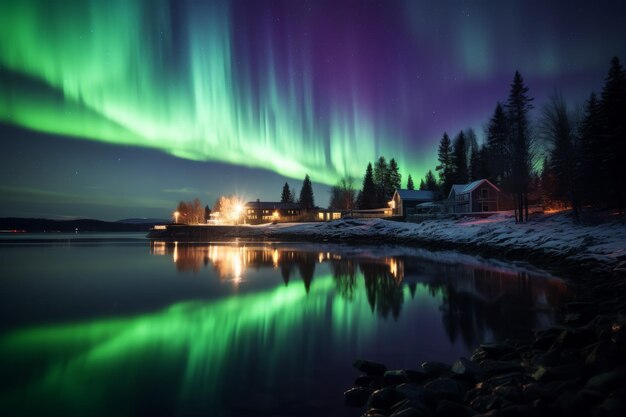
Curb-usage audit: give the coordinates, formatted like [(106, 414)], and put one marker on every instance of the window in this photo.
[(484, 193)]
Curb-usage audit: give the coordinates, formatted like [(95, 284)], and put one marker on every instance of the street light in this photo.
[(176, 214)]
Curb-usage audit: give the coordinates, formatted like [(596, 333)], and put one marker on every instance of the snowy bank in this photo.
[(546, 238)]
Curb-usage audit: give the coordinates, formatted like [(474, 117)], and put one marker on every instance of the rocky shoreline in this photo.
[(577, 368)]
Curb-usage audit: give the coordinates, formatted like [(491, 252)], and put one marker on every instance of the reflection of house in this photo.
[(257, 212), (477, 196), (404, 201)]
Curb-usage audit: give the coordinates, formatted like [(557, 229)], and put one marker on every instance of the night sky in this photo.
[(116, 109)]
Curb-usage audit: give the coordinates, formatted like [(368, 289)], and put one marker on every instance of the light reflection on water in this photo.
[(242, 329)]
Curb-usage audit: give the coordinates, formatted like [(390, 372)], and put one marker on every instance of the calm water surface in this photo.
[(117, 325)]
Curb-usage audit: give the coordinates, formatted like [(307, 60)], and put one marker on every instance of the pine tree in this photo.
[(286, 196), (519, 143), (497, 153), (395, 178), (475, 164), (367, 196), (381, 179), (409, 183), (613, 110), (459, 160), (306, 194), (431, 182), (589, 159), (422, 185), (445, 163)]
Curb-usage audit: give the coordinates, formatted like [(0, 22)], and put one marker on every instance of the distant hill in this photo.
[(83, 225), (144, 221)]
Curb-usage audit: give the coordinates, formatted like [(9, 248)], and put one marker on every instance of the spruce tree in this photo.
[(459, 160), (519, 143), (286, 196), (409, 183), (307, 200), (381, 180), (589, 160), (497, 154), (445, 163), (475, 164), (367, 196), (613, 110), (422, 185), (431, 182), (395, 178)]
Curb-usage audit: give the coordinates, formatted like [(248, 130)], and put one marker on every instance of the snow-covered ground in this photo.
[(553, 236)]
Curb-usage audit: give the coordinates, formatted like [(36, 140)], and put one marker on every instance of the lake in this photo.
[(113, 324)]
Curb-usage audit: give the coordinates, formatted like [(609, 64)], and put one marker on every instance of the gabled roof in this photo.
[(416, 195), (468, 188), (271, 205)]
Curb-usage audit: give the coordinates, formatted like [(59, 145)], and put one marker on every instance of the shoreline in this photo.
[(575, 255), (575, 368)]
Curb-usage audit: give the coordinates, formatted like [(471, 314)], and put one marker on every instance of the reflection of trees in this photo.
[(384, 294), (477, 299), (344, 274)]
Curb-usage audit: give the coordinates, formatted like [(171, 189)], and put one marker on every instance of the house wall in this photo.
[(485, 198)]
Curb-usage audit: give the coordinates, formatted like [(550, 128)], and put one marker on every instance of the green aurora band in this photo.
[(121, 72), (93, 367)]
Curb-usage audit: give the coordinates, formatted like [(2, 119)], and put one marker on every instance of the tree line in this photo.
[(582, 150)]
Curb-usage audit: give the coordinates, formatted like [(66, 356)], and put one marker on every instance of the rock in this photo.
[(357, 397), (363, 380), (514, 411), (447, 408), (377, 383), (383, 398), (608, 381), (375, 412), (434, 369), (613, 407), (544, 342), (511, 393), (572, 404), (576, 338), (512, 378), (467, 368), (535, 391), (495, 350), (559, 373), (446, 388), (412, 392), (416, 376), (370, 368), (395, 377), (410, 412), (491, 367)]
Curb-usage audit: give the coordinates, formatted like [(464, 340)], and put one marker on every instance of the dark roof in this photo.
[(416, 195), (272, 205)]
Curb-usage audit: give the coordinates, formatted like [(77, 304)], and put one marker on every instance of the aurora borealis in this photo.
[(259, 92)]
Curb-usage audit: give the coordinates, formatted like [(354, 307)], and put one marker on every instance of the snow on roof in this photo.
[(416, 194), (468, 188)]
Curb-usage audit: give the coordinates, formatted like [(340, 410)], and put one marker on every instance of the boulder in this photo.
[(434, 368), (383, 398), (608, 381), (447, 408), (446, 388), (357, 396), (395, 377), (467, 368), (492, 367)]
